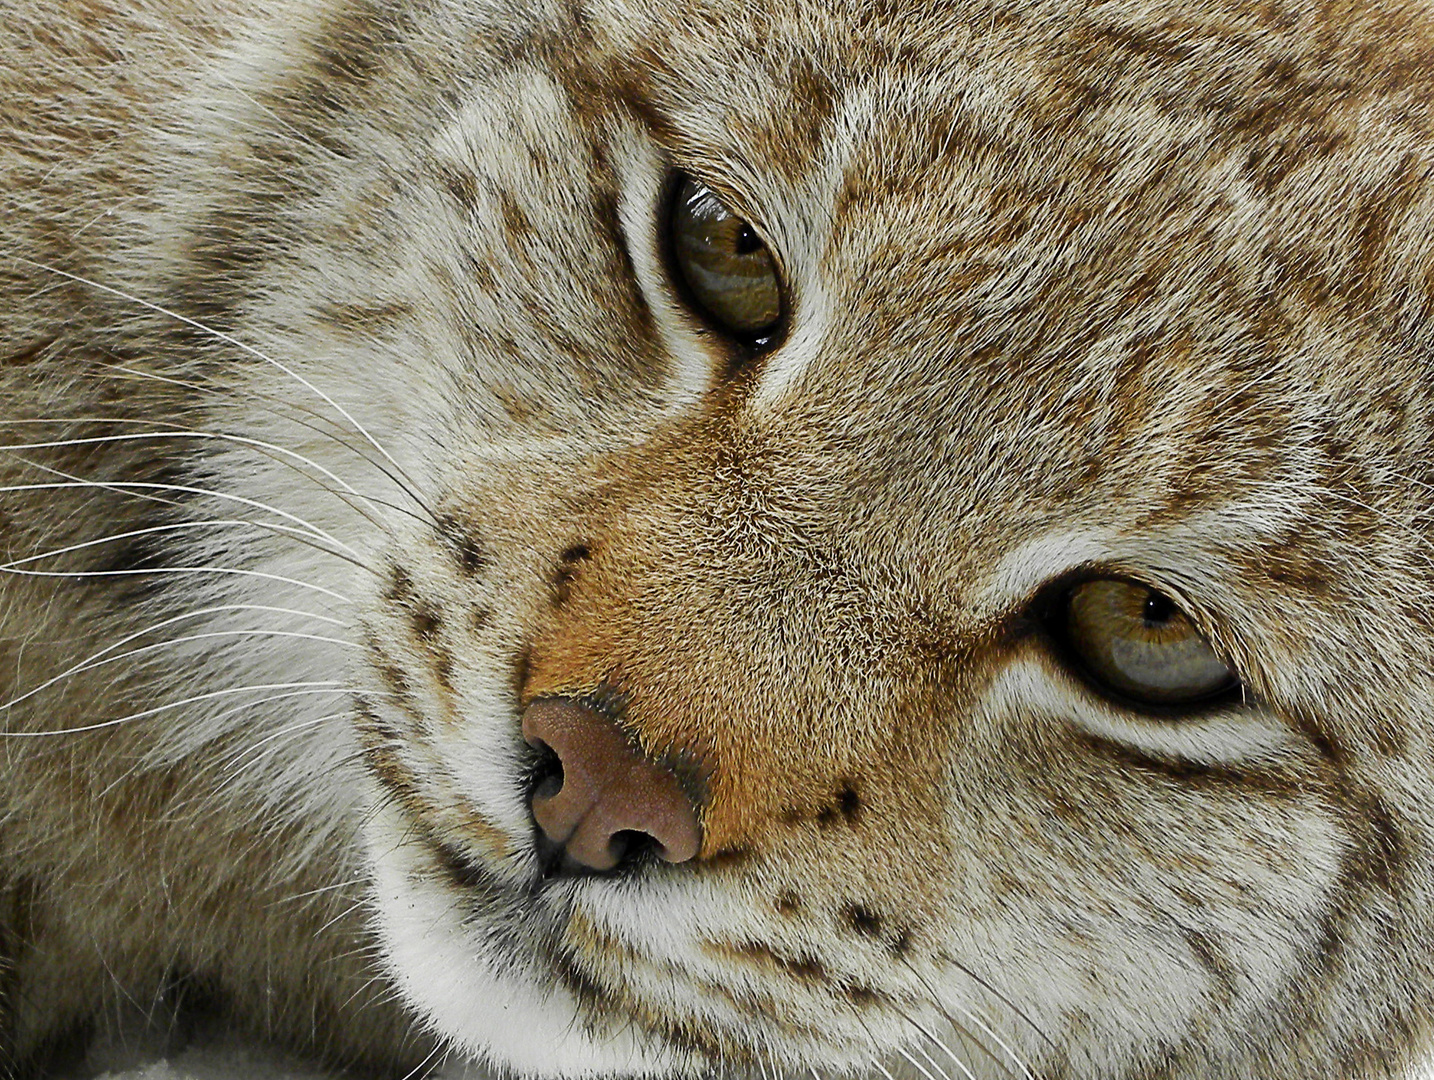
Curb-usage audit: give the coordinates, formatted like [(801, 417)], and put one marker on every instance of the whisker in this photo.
[(330, 431), (345, 913), (883, 1070), (955, 1058), (123, 487), (292, 897), (968, 1014), (221, 570), (421, 1067), (288, 729), (333, 686), (235, 771), (990, 989), (922, 1069), (171, 642), (248, 705), (271, 450), (178, 526), (89, 661), (228, 339)]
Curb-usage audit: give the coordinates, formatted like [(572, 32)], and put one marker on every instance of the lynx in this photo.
[(627, 538)]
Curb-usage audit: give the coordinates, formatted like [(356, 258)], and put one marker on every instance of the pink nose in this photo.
[(610, 794)]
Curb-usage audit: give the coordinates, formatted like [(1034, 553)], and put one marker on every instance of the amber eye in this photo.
[(724, 263), (1135, 642)]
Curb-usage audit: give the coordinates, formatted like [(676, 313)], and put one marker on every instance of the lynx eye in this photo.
[(723, 262), (1135, 642)]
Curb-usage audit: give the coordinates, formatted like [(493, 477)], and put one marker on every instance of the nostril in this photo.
[(598, 796), (546, 778)]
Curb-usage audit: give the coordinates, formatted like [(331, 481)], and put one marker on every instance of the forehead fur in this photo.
[(1117, 267)]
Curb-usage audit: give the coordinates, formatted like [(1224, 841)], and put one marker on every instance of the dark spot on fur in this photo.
[(516, 223), (788, 903), (1383, 857), (901, 945), (400, 586), (459, 183), (383, 762), (846, 807), (370, 720), (566, 571), (426, 621), (806, 968), (351, 50), (466, 549), (133, 554), (443, 665), (522, 665), (457, 868), (594, 997), (393, 675), (1204, 950), (562, 585), (862, 919), (861, 996), (479, 619)]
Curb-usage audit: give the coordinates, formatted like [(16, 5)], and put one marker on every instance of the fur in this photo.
[(349, 405)]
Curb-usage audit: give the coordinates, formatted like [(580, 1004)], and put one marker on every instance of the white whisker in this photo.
[(955, 1058), (271, 450), (170, 643), (986, 985), (342, 915), (178, 526), (285, 412), (922, 1069), (222, 570), (235, 771), (90, 661), (883, 1070), (975, 1018), (227, 338), (332, 686), (124, 487), (306, 894), (268, 699), (986, 1030)]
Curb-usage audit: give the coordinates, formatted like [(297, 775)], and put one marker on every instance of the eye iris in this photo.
[(1137, 643), (724, 263)]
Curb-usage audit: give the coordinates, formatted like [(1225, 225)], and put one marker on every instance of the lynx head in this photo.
[(906, 525)]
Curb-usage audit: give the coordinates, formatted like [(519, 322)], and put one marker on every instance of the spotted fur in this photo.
[(344, 379)]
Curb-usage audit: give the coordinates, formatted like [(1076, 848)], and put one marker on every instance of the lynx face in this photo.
[(865, 532)]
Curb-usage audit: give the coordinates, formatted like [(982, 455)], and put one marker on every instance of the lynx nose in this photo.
[(610, 794)]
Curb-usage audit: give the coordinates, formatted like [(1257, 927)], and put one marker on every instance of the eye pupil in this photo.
[(747, 240), (1157, 610)]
